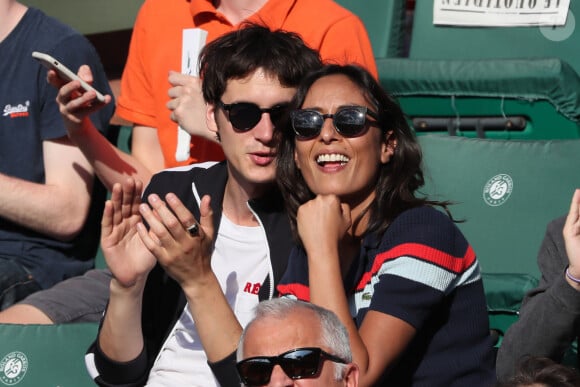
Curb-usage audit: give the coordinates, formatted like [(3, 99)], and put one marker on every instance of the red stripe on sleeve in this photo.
[(421, 252)]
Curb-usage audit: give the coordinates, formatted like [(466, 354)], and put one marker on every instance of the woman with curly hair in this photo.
[(394, 268)]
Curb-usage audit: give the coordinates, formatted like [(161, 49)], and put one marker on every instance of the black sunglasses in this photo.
[(245, 115), (349, 121), (297, 364)]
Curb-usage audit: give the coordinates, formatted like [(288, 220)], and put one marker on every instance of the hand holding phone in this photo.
[(64, 72)]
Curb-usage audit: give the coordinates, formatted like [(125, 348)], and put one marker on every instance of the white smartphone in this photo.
[(64, 72)]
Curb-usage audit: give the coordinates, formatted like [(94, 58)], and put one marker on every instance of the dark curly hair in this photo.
[(398, 180), (237, 54)]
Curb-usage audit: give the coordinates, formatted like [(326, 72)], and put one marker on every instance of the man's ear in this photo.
[(211, 119), (351, 374)]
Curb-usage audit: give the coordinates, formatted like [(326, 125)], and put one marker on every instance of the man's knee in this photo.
[(24, 314)]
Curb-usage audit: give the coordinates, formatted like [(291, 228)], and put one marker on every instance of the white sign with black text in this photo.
[(500, 13)]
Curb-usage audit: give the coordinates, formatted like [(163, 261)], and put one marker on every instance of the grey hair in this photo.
[(333, 333)]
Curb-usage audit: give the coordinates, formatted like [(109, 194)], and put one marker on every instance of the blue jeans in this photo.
[(16, 282)]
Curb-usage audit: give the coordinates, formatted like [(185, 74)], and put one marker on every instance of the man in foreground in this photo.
[(292, 340)]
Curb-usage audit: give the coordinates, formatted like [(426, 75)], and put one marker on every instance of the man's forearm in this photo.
[(111, 164), (121, 335), (49, 209), (216, 323)]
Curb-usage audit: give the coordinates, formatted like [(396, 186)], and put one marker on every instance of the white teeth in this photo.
[(332, 158)]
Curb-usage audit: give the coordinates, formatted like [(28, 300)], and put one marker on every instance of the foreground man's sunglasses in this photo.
[(297, 364)]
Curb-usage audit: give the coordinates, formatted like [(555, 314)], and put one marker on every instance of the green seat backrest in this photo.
[(429, 41), (507, 192), (45, 355), (385, 24)]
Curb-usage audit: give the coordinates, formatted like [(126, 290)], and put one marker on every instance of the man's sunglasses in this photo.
[(297, 364), (349, 121), (245, 115)]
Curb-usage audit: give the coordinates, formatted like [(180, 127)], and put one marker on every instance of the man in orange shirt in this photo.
[(154, 52), (335, 32)]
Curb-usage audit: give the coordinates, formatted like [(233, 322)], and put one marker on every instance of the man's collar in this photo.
[(273, 14), (197, 7)]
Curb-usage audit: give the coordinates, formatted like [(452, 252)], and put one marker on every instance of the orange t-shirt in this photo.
[(155, 49)]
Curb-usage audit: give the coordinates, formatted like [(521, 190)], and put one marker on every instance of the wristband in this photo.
[(576, 280)]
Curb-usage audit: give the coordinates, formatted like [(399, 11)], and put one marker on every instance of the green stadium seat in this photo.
[(385, 24), (505, 192), (492, 82), (45, 355)]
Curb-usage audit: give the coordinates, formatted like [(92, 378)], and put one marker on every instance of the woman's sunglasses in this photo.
[(245, 115), (297, 364), (349, 121)]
